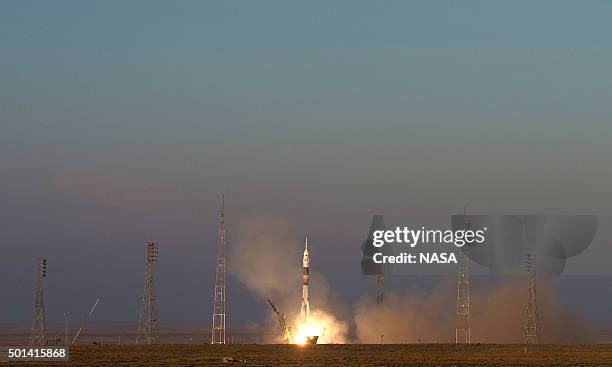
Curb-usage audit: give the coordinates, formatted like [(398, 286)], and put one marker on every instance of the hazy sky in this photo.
[(122, 122)]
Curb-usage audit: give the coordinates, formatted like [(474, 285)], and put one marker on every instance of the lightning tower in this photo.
[(380, 279), (65, 328), (218, 317), (368, 266), (37, 334), (462, 328), (147, 323), (530, 330)]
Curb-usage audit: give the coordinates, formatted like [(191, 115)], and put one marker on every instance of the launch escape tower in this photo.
[(218, 317), (147, 323), (530, 331), (37, 334), (462, 328)]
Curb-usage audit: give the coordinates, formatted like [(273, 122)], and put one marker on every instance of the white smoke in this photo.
[(267, 257), (497, 316)]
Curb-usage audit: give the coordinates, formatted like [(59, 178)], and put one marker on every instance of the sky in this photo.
[(124, 122)]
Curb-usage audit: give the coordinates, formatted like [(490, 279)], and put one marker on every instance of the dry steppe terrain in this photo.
[(337, 355)]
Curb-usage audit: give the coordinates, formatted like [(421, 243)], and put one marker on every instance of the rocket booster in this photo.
[(305, 310)]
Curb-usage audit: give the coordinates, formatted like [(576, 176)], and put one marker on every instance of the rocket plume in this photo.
[(266, 246), (320, 325)]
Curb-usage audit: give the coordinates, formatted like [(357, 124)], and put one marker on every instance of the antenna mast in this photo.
[(530, 331), (380, 279), (218, 319), (37, 334), (462, 329), (147, 324)]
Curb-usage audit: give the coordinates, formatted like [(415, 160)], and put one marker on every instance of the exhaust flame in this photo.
[(304, 331), (279, 276), (322, 324)]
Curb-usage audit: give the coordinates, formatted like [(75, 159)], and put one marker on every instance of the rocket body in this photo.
[(305, 310)]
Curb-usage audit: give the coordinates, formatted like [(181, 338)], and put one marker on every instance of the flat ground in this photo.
[(338, 355)]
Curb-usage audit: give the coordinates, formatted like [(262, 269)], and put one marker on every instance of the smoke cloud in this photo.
[(497, 316), (267, 257)]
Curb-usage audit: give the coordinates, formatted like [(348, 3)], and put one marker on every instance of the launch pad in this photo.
[(287, 330)]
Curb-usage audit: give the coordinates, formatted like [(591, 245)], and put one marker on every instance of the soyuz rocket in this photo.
[(305, 310)]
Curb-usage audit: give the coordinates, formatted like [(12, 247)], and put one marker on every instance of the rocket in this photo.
[(305, 310)]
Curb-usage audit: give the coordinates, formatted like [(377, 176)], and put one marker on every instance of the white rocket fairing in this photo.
[(305, 310)]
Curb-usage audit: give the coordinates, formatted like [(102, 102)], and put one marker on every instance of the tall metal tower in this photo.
[(37, 334), (530, 331), (368, 266), (147, 322), (218, 317), (462, 328), (380, 279), (66, 328)]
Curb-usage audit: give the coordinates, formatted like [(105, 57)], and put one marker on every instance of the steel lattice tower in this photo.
[(218, 317), (380, 279), (462, 328), (367, 264), (147, 322), (530, 331), (37, 334)]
